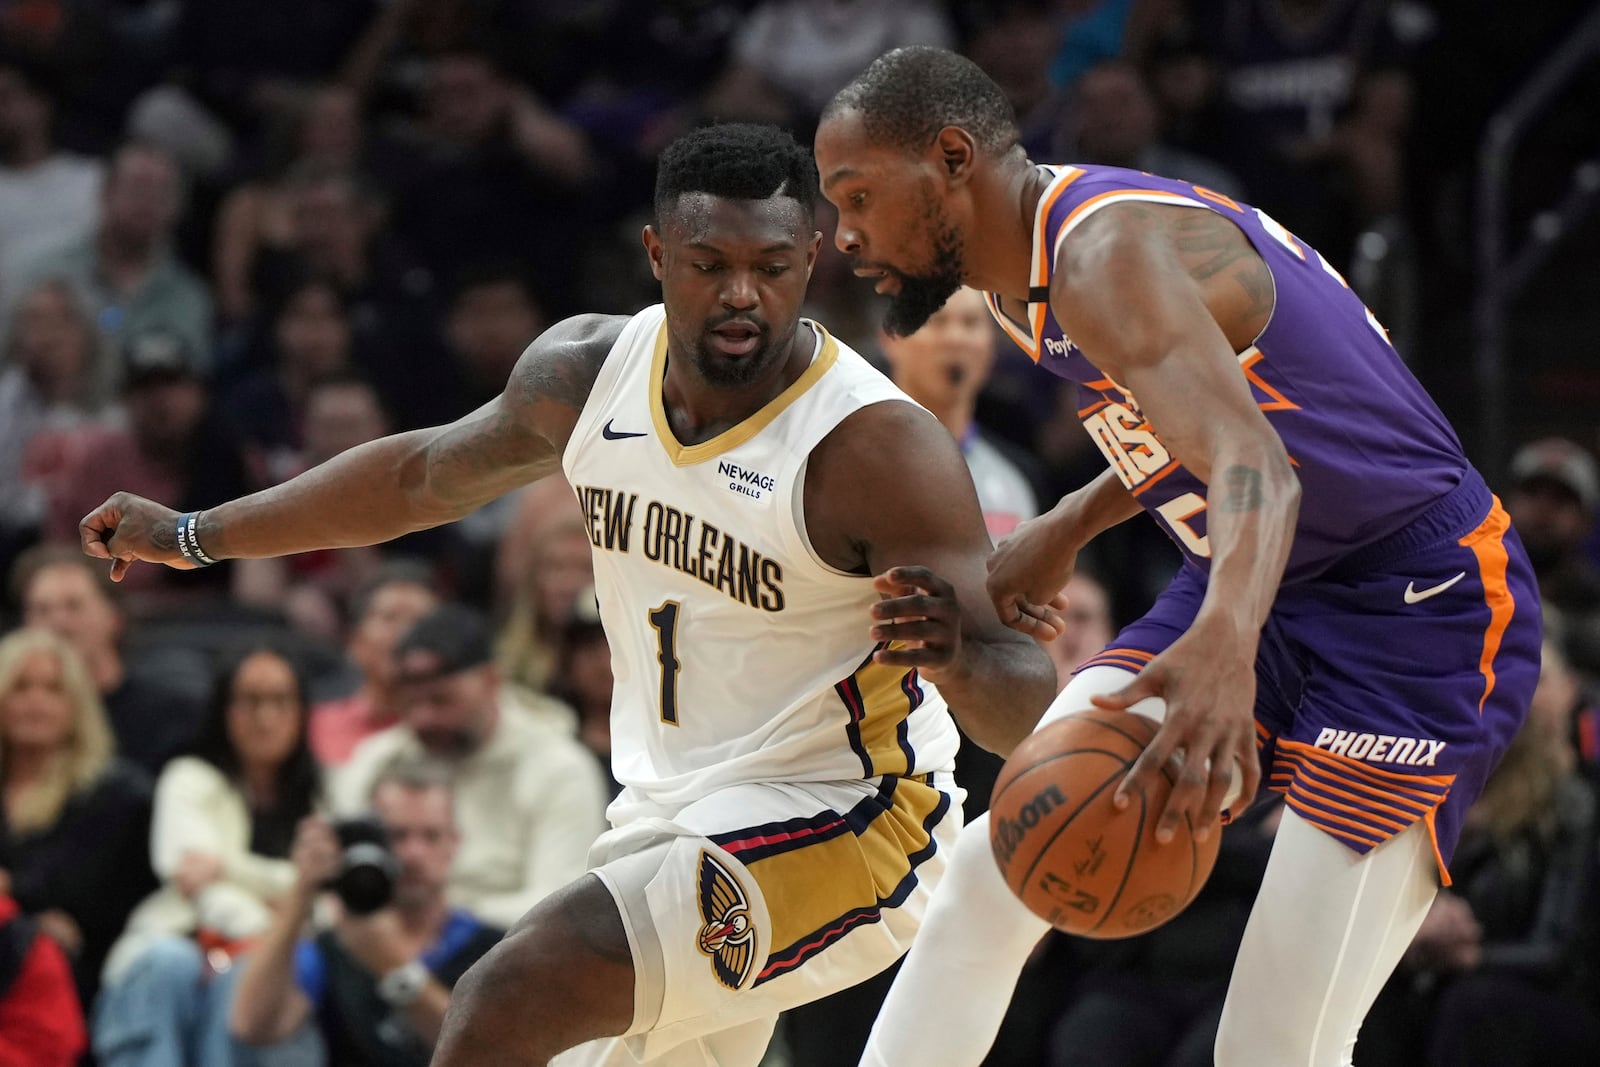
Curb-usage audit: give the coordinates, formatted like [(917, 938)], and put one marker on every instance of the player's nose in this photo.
[(740, 291), (847, 240)]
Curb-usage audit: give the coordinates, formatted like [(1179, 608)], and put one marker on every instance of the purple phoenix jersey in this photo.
[(1371, 449), (1403, 647)]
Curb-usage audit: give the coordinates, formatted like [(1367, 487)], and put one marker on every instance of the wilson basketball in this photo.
[(1069, 854)]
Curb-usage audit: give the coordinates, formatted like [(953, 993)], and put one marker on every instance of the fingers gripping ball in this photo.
[(1069, 854)]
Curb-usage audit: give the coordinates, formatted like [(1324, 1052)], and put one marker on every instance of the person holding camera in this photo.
[(529, 798), (375, 983)]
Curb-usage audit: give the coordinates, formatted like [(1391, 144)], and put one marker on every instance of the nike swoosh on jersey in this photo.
[(617, 435), (1413, 594)]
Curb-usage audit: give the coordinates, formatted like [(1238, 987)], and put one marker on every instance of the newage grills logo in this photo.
[(746, 481)]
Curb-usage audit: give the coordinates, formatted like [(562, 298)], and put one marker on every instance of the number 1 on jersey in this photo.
[(664, 620)]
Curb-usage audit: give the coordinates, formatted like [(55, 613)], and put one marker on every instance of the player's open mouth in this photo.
[(736, 338), (888, 281)]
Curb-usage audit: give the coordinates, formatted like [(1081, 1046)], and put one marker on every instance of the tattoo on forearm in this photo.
[(164, 536), (1243, 489)]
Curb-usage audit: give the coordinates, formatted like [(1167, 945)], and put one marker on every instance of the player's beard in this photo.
[(922, 295), (732, 372)]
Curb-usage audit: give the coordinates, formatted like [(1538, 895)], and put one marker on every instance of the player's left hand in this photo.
[(920, 615), (1208, 681)]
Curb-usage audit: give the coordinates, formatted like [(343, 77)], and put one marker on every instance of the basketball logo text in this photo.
[(1011, 831)]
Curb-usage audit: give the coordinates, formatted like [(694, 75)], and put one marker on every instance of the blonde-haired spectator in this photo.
[(76, 820)]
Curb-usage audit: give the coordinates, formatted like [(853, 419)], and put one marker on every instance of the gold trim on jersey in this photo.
[(817, 893), (684, 455)]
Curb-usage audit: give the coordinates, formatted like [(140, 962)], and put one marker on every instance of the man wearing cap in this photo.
[(172, 448), (530, 799), (1555, 486)]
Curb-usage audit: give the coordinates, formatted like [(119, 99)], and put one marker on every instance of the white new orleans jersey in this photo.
[(738, 655)]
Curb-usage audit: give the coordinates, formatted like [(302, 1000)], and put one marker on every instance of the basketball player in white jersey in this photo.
[(790, 562)]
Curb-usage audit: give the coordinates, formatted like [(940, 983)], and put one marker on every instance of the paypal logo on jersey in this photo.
[(1057, 348)]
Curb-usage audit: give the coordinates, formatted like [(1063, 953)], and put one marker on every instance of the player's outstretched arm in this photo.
[(888, 493), (388, 487), (1032, 565), (1144, 319)]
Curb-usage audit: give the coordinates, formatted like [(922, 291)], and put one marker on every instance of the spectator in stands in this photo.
[(225, 819), (382, 611), (530, 799), (1503, 970), (310, 590), (498, 174), (1318, 105), (560, 569), (62, 590), (337, 233), (1562, 693), (127, 266), (48, 198), (494, 316), (258, 214), (1089, 625), (310, 339), (173, 448), (790, 56), (54, 378), (73, 843), (374, 986), (1555, 485), (583, 678), (943, 367), (249, 63), (1111, 118), (1013, 41), (41, 1021)]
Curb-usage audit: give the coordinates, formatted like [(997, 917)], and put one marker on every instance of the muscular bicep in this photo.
[(890, 488), (518, 437), (1142, 319)]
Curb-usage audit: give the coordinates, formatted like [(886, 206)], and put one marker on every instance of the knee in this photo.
[(172, 964), (562, 977)]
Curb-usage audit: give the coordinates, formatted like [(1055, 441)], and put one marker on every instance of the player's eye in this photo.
[(705, 268), (775, 269), (858, 199)]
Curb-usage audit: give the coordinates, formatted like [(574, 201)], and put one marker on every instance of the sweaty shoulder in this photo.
[(861, 475), (562, 362)]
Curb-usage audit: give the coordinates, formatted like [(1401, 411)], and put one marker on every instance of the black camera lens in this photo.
[(367, 869)]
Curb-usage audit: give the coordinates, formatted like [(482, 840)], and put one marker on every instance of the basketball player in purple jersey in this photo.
[(1356, 619)]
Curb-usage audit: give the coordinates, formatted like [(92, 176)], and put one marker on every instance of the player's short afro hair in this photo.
[(737, 161), (908, 95)]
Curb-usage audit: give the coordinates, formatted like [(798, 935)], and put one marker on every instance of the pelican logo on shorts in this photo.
[(728, 936)]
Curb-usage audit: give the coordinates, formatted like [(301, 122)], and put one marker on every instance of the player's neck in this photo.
[(698, 411), (999, 248)]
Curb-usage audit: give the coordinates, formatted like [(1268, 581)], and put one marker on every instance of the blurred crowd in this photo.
[(238, 238)]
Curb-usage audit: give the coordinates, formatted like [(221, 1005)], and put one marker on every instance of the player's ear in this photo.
[(957, 153), (655, 248), (811, 252)]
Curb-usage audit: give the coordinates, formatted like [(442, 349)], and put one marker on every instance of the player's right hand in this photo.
[(127, 528), (1027, 572)]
